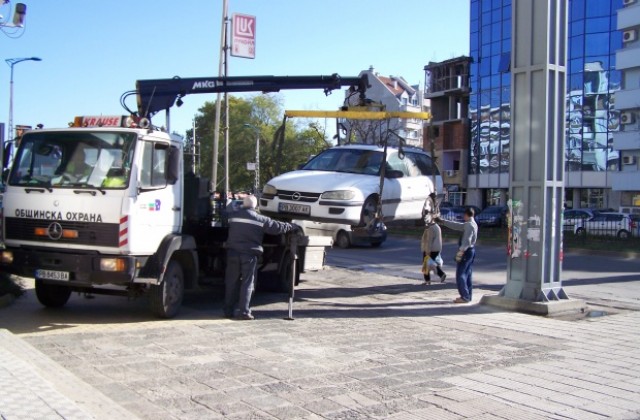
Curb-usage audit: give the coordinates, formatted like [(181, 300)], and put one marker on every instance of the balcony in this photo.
[(628, 17), (627, 58), (628, 98), (626, 140), (625, 181)]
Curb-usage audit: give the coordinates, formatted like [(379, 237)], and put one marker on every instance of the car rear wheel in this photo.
[(581, 232), (52, 295), (624, 234), (342, 240)]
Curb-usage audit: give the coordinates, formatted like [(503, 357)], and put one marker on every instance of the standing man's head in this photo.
[(250, 202), (469, 214)]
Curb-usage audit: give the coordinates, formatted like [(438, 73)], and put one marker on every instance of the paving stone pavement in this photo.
[(363, 346)]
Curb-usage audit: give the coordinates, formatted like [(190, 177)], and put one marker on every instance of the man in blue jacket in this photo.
[(244, 248)]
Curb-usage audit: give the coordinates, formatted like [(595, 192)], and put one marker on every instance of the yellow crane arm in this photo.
[(358, 115)]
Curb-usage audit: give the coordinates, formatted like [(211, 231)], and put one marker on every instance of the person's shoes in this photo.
[(460, 300), (245, 317), (427, 283), (443, 278)]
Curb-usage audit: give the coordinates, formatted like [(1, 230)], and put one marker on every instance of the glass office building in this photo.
[(591, 116)]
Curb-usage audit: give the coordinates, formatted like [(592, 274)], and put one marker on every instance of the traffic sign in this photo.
[(243, 36)]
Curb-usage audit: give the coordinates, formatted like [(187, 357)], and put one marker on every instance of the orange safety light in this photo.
[(40, 231), (70, 234)]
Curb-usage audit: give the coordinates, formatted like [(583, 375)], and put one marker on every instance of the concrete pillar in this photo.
[(536, 191)]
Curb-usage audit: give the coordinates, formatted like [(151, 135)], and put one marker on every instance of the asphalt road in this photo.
[(602, 279)]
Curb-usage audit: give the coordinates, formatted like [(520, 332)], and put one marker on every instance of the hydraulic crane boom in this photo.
[(161, 94)]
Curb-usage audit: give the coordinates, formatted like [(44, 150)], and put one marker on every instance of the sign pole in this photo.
[(216, 129)]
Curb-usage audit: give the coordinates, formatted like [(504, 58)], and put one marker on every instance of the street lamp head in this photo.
[(13, 61)]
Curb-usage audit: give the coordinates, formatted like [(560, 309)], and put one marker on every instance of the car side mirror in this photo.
[(393, 174), (300, 166)]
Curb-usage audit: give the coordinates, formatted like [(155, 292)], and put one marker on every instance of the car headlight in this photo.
[(269, 191), (338, 195)]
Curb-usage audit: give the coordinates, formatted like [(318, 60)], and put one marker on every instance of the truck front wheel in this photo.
[(166, 298), (52, 295)]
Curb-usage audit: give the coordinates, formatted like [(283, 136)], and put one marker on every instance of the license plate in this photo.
[(52, 275), (294, 208)]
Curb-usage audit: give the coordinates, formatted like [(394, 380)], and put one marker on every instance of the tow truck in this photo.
[(104, 206)]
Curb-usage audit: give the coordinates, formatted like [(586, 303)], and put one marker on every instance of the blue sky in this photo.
[(93, 51)]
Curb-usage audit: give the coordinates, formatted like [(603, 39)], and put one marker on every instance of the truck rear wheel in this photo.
[(52, 295), (165, 299)]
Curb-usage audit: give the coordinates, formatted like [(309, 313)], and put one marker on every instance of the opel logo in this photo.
[(296, 196), (54, 231)]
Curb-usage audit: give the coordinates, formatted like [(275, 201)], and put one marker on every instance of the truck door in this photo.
[(157, 208)]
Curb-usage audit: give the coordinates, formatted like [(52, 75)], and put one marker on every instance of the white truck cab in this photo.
[(103, 203)]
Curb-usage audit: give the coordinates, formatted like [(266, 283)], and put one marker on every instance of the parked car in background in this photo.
[(492, 216), (343, 235), (571, 217), (341, 185), (607, 224), (450, 213), (456, 214)]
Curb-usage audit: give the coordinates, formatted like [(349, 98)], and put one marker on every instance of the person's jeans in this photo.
[(239, 281), (464, 272)]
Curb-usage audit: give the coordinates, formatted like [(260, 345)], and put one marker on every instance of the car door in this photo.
[(395, 192)]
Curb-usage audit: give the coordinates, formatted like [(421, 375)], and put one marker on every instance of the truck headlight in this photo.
[(338, 195), (269, 191), (113, 264), (7, 257)]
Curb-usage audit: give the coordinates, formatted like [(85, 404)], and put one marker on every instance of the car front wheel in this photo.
[(368, 214), (623, 234)]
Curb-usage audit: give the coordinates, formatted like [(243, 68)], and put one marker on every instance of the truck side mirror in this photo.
[(6, 155), (173, 165)]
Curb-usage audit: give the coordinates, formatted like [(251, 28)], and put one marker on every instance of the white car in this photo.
[(341, 185), (607, 224)]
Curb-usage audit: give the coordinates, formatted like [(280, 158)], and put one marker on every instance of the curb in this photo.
[(92, 402), (575, 251)]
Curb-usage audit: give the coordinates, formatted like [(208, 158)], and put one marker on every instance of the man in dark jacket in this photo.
[(244, 248)]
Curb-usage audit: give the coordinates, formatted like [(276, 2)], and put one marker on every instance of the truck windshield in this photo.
[(67, 159)]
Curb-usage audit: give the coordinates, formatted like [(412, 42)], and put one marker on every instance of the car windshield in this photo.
[(74, 159), (355, 161), (368, 162)]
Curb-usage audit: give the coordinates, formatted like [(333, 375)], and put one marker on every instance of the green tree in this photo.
[(265, 113)]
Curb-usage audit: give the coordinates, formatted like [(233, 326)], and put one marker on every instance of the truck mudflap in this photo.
[(74, 269), (180, 247)]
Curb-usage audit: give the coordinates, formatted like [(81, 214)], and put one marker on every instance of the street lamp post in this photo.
[(12, 62), (256, 186)]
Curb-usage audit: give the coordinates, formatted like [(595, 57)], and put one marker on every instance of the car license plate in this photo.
[(294, 208), (52, 275)]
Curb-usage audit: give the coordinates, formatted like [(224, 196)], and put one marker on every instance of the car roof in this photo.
[(377, 148)]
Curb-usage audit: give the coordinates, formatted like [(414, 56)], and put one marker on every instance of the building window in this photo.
[(505, 63)]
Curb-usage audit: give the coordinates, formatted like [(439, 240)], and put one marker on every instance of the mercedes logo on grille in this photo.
[(54, 231), (296, 196)]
